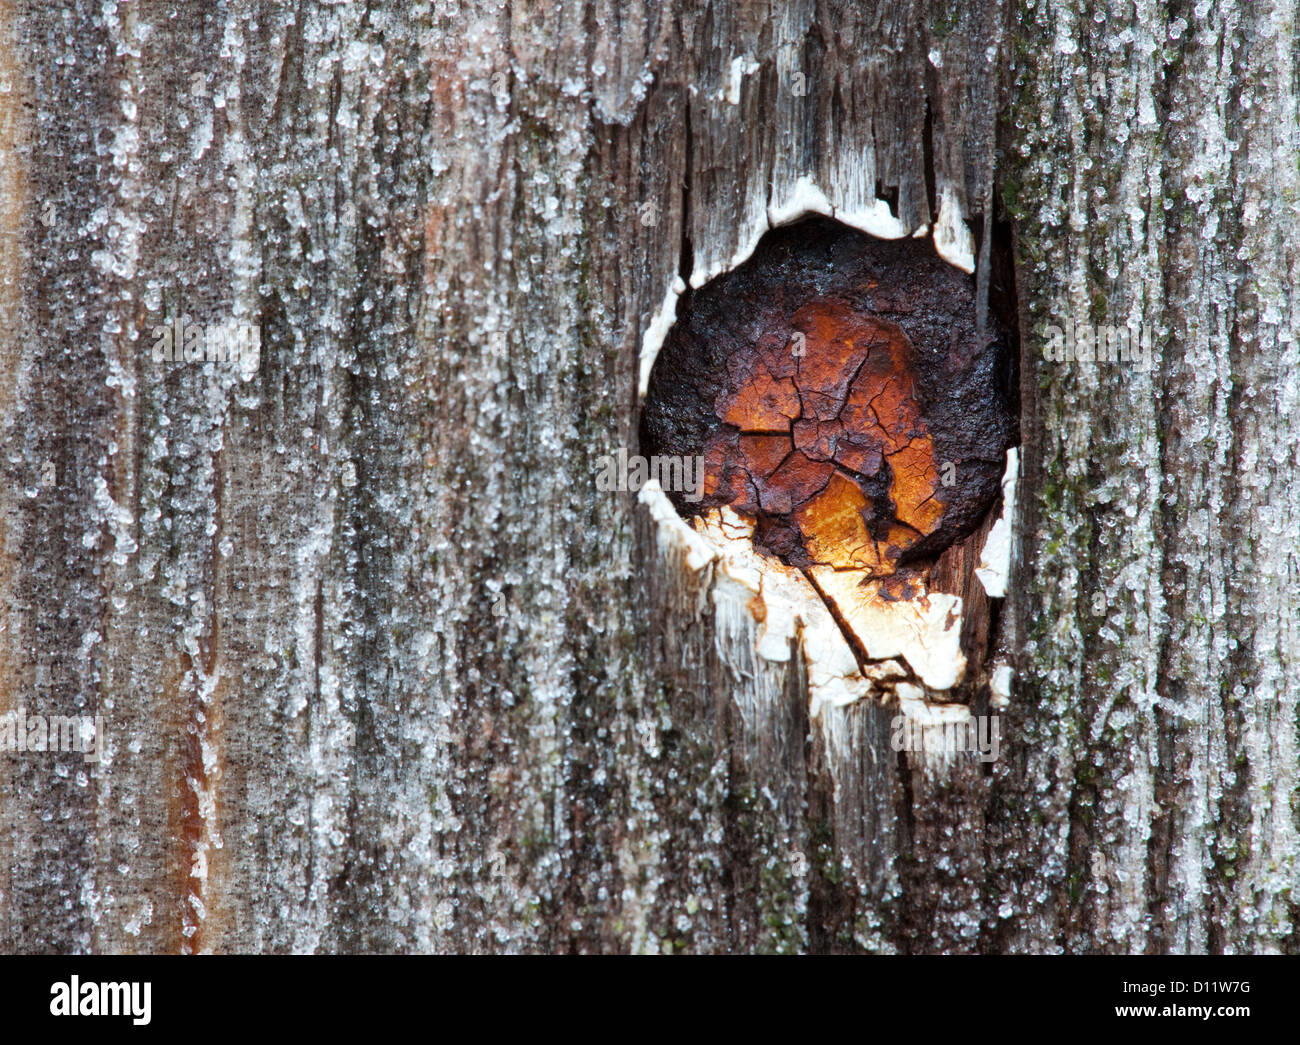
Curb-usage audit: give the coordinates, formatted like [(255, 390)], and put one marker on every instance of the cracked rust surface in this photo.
[(841, 397)]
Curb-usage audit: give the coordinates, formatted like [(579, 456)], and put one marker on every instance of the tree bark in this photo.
[(380, 670)]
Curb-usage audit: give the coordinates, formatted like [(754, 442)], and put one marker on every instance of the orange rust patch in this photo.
[(763, 404), (828, 382), (849, 410), (834, 527)]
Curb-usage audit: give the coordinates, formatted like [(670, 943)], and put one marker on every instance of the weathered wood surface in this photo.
[(380, 670)]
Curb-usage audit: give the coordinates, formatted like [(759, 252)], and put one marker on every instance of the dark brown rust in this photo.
[(840, 395)]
